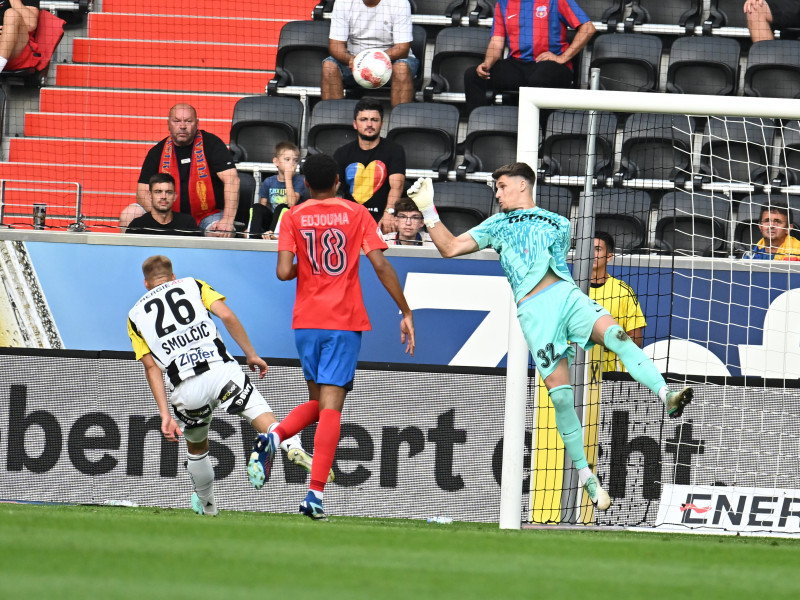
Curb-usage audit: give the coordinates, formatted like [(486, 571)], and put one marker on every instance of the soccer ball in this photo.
[(372, 68)]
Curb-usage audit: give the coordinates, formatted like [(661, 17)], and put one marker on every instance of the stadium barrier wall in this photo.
[(82, 427), (79, 287)]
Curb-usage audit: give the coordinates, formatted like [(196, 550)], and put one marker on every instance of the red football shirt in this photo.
[(327, 237)]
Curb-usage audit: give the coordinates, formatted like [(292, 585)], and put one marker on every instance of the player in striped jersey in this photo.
[(539, 54), (533, 245), (172, 331)]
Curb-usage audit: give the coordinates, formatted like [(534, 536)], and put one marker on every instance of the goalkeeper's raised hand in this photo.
[(422, 195)]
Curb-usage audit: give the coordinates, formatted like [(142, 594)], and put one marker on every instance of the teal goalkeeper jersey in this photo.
[(529, 241)]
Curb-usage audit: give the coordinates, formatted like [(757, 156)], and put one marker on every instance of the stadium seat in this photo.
[(727, 17), (554, 198), (692, 224), (624, 214), (664, 16), (456, 49), (736, 150), (260, 122), (656, 147), (628, 62), (703, 65), (452, 9), (789, 155), (247, 197), (302, 47), (462, 205), (563, 150), (427, 131), (605, 14), (331, 126), (491, 139), (773, 69)]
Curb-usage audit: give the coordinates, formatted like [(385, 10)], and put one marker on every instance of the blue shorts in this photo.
[(347, 74), (328, 356), (552, 318)]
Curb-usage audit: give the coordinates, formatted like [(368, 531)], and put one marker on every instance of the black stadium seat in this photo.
[(331, 125), (260, 122), (302, 47), (427, 131), (703, 65), (773, 69), (456, 50), (628, 62), (491, 140)]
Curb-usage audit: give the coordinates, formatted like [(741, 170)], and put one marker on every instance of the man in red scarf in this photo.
[(203, 168)]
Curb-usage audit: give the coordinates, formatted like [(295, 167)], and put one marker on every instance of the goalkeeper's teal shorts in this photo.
[(552, 318)]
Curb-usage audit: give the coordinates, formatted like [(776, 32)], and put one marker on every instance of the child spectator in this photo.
[(285, 187), (278, 192)]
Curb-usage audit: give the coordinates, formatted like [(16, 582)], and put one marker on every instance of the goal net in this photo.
[(693, 203)]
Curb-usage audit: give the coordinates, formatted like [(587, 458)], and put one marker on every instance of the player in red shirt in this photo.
[(326, 234)]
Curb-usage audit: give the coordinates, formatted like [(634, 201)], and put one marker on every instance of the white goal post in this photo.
[(531, 102)]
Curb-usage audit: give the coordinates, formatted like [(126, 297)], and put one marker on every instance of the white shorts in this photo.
[(225, 385)]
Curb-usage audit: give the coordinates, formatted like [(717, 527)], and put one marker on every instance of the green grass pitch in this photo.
[(86, 552)]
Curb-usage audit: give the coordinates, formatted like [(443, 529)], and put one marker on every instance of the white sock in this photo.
[(288, 443), (317, 495), (202, 475), (3, 63), (662, 394), (584, 474)]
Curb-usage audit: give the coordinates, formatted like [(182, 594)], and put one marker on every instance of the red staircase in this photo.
[(110, 106)]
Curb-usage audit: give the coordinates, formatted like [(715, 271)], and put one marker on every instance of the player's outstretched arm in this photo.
[(447, 244), (386, 273), (236, 329), (155, 379)]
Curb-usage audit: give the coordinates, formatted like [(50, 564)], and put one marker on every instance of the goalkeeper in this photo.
[(552, 310)]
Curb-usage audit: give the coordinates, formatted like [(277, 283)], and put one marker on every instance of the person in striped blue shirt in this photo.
[(539, 54)]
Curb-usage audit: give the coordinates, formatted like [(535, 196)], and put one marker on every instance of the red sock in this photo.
[(325, 442), (298, 419)]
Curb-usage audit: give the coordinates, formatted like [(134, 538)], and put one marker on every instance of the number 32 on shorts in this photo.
[(547, 355)]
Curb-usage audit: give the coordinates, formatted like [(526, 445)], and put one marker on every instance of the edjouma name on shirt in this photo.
[(324, 220)]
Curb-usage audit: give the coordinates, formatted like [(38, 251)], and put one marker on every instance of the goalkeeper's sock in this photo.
[(635, 360), (568, 424), (298, 419), (325, 441), (202, 475)]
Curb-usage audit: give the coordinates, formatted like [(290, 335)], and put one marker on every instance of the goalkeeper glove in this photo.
[(422, 195)]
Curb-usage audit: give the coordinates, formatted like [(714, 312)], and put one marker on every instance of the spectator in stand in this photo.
[(763, 16), (207, 183), (161, 220), (19, 20), (539, 56), (279, 192), (775, 224), (409, 223), (372, 171), (358, 25), (616, 296)]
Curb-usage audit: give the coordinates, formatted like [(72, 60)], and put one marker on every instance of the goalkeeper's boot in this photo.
[(312, 507), (677, 400), (596, 493), (260, 463), (302, 459), (208, 509)]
